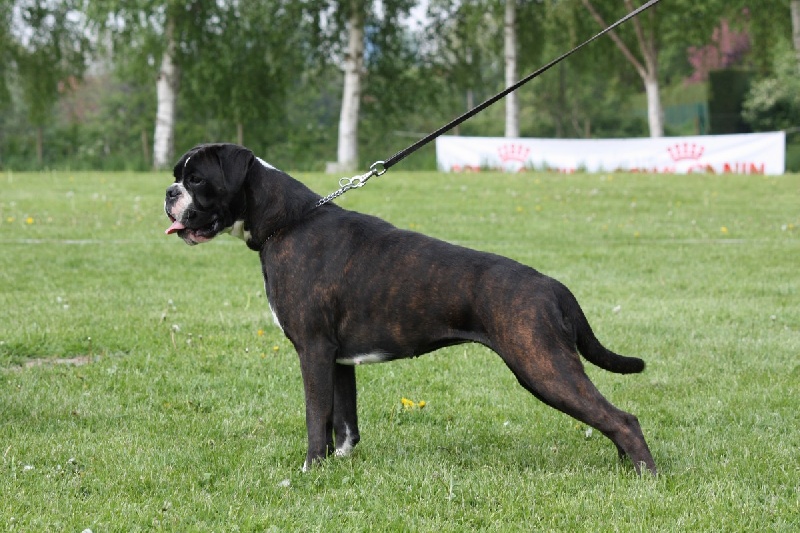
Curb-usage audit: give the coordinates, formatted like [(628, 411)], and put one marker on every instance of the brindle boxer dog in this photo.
[(348, 289)]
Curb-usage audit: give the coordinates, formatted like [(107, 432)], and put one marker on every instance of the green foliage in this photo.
[(143, 385), (773, 103), (7, 45), (768, 25), (242, 73), (50, 56), (270, 71)]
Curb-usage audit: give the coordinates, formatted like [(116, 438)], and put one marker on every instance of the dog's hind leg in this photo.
[(558, 379), (345, 417)]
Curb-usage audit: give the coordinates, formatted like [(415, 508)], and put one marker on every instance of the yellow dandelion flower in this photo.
[(261, 333), (723, 230), (275, 348), (411, 404), (29, 221)]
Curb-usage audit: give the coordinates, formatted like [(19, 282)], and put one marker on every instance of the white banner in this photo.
[(750, 153)]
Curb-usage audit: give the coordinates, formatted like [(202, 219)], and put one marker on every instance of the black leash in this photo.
[(379, 168)]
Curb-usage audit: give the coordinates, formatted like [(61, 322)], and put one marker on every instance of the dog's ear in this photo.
[(235, 162)]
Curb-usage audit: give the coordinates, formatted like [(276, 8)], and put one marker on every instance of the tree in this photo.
[(50, 53), (646, 63), (241, 85), (167, 83), (642, 39), (510, 47), (588, 94), (465, 50), (165, 33), (795, 13), (6, 49), (773, 103), (353, 64), (357, 35)]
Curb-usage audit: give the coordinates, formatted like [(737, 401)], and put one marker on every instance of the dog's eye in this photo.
[(194, 180)]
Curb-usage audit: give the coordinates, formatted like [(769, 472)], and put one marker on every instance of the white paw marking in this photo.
[(347, 447)]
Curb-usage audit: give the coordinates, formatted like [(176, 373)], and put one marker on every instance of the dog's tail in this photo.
[(587, 343)]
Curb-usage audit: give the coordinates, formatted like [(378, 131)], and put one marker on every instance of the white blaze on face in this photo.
[(183, 203)]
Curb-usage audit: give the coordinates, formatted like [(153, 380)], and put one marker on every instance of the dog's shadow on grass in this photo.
[(553, 443)]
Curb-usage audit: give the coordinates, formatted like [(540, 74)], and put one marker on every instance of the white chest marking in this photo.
[(238, 231), (275, 318), (377, 356)]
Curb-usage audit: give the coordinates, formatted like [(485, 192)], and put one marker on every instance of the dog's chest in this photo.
[(275, 318), (375, 356)]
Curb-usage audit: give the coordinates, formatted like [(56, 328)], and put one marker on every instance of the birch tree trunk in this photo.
[(167, 95), (655, 114), (347, 157), (647, 69), (795, 7), (510, 45)]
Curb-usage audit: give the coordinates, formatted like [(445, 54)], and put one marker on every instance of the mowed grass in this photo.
[(143, 385)]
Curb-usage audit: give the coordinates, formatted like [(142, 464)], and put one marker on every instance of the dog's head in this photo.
[(208, 197)]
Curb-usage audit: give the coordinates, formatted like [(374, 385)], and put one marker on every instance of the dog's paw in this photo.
[(344, 451)]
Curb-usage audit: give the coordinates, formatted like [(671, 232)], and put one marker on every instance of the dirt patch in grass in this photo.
[(51, 361)]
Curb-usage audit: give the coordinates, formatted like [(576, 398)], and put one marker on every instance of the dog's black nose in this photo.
[(173, 191)]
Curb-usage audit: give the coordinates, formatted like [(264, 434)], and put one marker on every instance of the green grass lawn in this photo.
[(143, 385)]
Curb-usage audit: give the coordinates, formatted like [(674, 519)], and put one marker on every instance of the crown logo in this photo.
[(513, 152), (679, 152)]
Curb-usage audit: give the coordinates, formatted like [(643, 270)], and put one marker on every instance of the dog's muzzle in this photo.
[(191, 225)]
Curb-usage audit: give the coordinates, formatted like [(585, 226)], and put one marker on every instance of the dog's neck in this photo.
[(275, 202)]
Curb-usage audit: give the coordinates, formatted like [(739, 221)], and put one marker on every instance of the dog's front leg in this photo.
[(317, 367)]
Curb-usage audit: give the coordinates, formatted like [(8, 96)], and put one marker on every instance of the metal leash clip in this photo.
[(345, 184)]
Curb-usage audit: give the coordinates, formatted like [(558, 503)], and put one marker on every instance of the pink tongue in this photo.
[(176, 226)]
